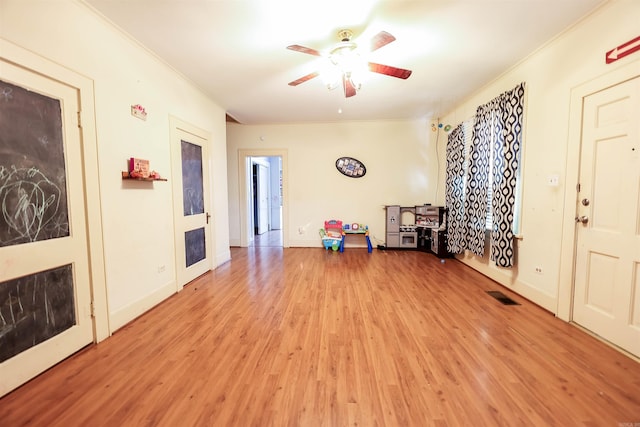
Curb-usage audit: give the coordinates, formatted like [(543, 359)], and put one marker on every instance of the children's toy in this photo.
[(334, 233), (356, 228), (331, 234)]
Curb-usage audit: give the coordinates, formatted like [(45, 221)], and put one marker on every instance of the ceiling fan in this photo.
[(345, 63)]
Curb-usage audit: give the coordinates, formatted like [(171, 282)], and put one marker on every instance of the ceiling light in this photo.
[(343, 64)]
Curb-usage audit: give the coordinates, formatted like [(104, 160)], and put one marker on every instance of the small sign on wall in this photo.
[(138, 168), (139, 112), (623, 50)]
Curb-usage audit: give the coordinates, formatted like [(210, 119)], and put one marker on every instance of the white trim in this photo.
[(136, 309), (243, 178)]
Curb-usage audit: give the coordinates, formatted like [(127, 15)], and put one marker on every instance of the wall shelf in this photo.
[(125, 176)]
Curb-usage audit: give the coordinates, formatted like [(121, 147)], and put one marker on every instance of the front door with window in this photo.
[(607, 279)]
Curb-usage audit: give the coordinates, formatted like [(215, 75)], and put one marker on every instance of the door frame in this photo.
[(84, 86), (179, 126), (566, 287), (244, 180)]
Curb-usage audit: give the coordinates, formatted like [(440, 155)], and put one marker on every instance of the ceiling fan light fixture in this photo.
[(344, 55), (333, 78), (331, 75), (344, 65), (359, 73)]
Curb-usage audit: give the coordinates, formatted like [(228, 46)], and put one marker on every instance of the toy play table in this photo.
[(346, 233)]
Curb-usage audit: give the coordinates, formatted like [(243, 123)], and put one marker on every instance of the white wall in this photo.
[(137, 217), (575, 57), (399, 156)]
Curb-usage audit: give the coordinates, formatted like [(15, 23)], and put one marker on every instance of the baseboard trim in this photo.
[(125, 315), (222, 258)]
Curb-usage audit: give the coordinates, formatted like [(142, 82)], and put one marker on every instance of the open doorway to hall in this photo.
[(266, 199)]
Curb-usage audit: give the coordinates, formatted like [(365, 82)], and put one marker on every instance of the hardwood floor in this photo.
[(308, 337), (270, 238)]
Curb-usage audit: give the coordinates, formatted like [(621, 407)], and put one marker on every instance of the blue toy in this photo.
[(331, 234)]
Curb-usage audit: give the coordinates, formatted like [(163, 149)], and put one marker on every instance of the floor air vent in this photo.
[(502, 298)]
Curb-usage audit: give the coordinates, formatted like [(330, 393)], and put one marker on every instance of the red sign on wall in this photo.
[(623, 50)]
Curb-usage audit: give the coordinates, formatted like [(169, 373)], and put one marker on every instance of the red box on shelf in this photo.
[(138, 168)]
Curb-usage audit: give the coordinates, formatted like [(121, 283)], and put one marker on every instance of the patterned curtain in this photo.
[(454, 197), (494, 157), (475, 203), (506, 162)]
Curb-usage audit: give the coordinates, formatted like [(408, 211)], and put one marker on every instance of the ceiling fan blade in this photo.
[(381, 39), (303, 49), (349, 88), (388, 70), (304, 79)]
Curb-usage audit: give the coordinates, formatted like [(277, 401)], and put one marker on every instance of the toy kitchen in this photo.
[(420, 227)]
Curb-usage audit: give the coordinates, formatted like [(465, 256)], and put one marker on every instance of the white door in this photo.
[(262, 198), (607, 280), (45, 302), (275, 178), (191, 203)]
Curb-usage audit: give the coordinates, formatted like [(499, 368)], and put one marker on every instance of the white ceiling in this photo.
[(235, 50)]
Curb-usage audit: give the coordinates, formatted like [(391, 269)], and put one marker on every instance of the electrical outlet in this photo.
[(538, 270)]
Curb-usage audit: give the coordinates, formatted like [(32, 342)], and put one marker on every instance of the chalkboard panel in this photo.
[(192, 190), (35, 308), (195, 248), (33, 191)]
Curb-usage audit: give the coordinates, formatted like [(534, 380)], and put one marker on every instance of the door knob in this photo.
[(583, 219), (585, 202)]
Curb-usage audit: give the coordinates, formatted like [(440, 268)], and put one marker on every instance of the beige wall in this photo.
[(401, 164), (137, 220), (551, 73)]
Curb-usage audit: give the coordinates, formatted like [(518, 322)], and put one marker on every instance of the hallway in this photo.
[(271, 238)]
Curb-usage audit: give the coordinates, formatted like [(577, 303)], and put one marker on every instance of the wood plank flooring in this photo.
[(308, 337), (270, 238)]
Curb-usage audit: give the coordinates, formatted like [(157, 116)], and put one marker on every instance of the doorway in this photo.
[(604, 206), (263, 219), (266, 188), (608, 235), (52, 287), (193, 239)]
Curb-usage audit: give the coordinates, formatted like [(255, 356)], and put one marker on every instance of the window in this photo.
[(483, 178), (468, 135)]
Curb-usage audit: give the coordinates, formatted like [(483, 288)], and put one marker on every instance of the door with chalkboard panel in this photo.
[(45, 302), (191, 210)]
